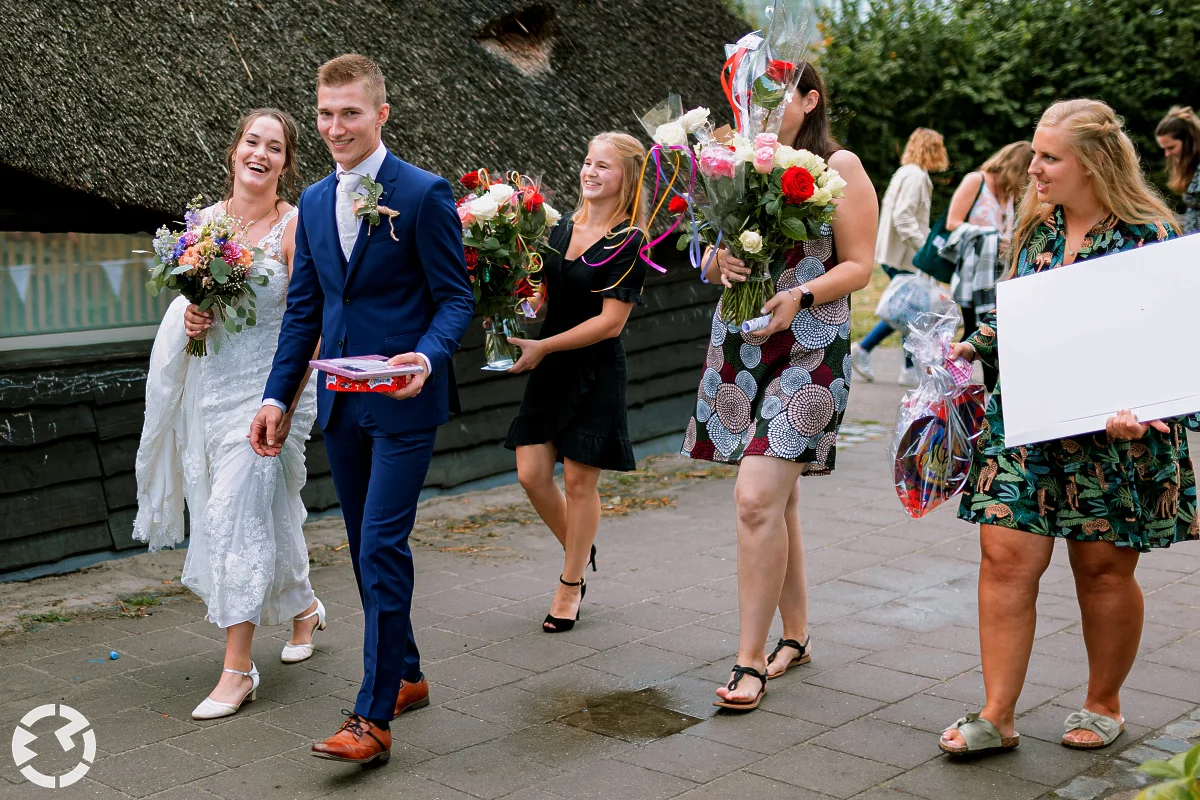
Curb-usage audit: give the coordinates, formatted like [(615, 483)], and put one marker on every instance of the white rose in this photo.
[(811, 162), (670, 134), (821, 198), (501, 193), (833, 182), (484, 208), (750, 241), (743, 149), (552, 215), (694, 119), (785, 156)]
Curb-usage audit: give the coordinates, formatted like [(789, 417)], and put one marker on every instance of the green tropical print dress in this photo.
[(1139, 494)]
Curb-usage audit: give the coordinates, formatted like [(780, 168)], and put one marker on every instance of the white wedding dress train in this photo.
[(246, 558)]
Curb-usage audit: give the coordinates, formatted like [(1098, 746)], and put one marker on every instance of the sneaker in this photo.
[(861, 361), (908, 377)]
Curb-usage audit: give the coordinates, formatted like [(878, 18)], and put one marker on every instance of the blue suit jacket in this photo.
[(411, 295)]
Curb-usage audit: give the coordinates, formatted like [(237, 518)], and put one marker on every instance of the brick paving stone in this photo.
[(877, 683), (22, 680), (492, 625), (314, 719), (485, 771), (942, 778), (238, 741), (654, 616), (616, 780), (1187, 729), (956, 638), (536, 652), (968, 688), (1083, 788), (925, 712), (277, 776), (436, 644), (459, 602), (696, 641), (928, 662), (884, 793), (817, 704), (295, 682), (640, 661), (858, 633), (563, 747), (1047, 763), (135, 727), (771, 732), (1168, 681), (882, 544), (699, 598), (880, 740), (470, 673), (86, 664), (442, 730), (1169, 743), (511, 707), (615, 594), (851, 596), (151, 769), (167, 644), (820, 769), (743, 784), (690, 757)]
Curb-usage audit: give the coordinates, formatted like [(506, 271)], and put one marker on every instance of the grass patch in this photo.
[(33, 620), (141, 601)]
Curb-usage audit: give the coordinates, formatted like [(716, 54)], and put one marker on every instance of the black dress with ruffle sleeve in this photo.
[(576, 399)]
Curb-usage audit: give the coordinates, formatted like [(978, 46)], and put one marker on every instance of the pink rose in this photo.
[(717, 162), (765, 140), (764, 160), (465, 216)]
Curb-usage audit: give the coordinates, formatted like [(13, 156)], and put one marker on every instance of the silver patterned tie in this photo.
[(348, 186)]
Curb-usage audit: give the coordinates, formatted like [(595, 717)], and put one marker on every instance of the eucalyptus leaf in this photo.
[(229, 326)]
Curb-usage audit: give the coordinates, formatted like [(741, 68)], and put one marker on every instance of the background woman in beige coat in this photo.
[(903, 228)]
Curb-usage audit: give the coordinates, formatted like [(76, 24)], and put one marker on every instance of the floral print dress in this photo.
[(782, 395), (1140, 494)]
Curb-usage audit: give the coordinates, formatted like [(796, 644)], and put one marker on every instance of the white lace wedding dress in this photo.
[(246, 558)]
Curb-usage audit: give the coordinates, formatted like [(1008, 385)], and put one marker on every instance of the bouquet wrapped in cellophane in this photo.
[(211, 264), (506, 225), (939, 419), (759, 197)]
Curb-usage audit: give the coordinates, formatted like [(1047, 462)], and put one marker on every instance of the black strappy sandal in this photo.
[(738, 672), (564, 625), (804, 657)]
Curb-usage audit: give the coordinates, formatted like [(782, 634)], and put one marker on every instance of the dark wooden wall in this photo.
[(70, 421)]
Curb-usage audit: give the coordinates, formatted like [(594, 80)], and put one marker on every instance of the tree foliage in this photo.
[(982, 71)]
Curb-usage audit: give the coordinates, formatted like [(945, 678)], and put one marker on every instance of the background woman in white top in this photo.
[(903, 228)]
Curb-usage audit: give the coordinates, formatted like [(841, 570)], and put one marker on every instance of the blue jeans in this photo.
[(883, 330)]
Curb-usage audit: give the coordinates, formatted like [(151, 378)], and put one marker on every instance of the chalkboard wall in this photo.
[(70, 421)]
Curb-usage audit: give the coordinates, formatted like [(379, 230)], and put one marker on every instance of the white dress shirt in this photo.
[(349, 225)]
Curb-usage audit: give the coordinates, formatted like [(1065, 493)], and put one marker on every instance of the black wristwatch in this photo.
[(806, 298)]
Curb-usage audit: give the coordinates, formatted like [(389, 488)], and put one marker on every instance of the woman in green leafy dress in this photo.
[(1112, 495)]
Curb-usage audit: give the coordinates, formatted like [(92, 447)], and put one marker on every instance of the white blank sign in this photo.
[(1081, 342)]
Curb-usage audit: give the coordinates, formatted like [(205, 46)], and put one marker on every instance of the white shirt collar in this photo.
[(371, 166)]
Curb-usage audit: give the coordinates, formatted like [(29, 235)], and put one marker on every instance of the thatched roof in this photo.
[(134, 102)]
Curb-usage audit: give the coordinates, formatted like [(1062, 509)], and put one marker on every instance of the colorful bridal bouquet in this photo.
[(506, 226), (212, 265)]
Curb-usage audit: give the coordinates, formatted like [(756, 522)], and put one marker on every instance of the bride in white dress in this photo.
[(246, 557)]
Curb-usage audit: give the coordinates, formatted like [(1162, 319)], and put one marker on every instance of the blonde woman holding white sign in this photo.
[(1113, 495)]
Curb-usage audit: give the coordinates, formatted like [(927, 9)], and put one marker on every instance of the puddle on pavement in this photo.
[(637, 717)]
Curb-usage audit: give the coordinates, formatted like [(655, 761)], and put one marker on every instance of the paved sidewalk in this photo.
[(620, 707)]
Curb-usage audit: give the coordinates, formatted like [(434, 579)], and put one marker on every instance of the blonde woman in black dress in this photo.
[(574, 405)]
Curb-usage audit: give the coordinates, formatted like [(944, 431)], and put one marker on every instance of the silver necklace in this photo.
[(246, 228), (1067, 237)]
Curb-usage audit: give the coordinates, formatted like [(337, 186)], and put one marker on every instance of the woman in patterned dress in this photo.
[(1112, 495), (1178, 134), (772, 401)]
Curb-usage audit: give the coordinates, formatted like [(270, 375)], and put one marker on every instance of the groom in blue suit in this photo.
[(396, 287)]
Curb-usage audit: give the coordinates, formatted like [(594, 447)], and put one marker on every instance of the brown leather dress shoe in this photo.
[(359, 741), (412, 696)]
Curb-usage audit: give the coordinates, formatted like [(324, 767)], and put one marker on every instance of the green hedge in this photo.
[(982, 71)]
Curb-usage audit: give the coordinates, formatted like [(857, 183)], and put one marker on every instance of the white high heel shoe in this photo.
[(293, 653), (211, 709)]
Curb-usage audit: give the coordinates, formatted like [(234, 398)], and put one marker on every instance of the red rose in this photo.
[(678, 205), (798, 185), (524, 288), (533, 201), (780, 71), (472, 256), (470, 180)]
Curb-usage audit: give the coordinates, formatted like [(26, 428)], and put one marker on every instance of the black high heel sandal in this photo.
[(564, 625)]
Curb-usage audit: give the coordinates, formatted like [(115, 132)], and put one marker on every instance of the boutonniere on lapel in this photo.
[(367, 205)]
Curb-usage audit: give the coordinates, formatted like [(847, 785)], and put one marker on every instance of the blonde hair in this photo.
[(926, 149), (630, 202), (1095, 135), (353, 67), (1181, 123), (1010, 167)]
